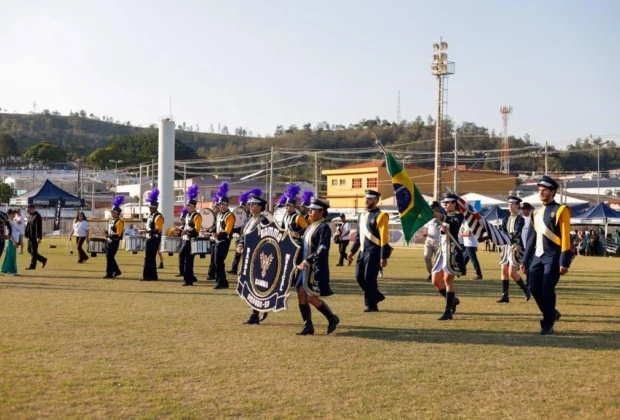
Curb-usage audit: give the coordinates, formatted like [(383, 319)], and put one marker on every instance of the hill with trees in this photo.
[(47, 136)]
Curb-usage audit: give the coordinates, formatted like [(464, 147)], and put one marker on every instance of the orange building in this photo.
[(346, 185)]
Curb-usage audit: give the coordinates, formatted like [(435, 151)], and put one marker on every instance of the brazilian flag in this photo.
[(414, 210)]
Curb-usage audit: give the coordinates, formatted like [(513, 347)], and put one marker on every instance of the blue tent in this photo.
[(601, 215), (47, 195), (580, 208), (495, 213)]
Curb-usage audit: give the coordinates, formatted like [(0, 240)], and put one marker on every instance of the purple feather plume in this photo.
[(118, 201), (243, 197), (307, 196), (153, 196), (282, 200), (256, 191), (292, 191), (184, 211), (222, 191), (216, 197), (192, 192)]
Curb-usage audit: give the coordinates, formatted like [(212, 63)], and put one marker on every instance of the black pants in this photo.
[(366, 273), (543, 277), (219, 256), (342, 248), (33, 249), (181, 264), (470, 254), (150, 259), (188, 263), (211, 269), (80, 248), (235, 264), (2, 241), (110, 258)]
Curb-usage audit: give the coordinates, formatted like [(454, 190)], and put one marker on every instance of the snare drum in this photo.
[(96, 246), (200, 246), (135, 243), (171, 244)]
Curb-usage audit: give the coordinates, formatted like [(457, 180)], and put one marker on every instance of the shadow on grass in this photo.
[(573, 340)]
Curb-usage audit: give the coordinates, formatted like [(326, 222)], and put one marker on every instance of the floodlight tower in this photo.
[(504, 166), (398, 116), (441, 68)]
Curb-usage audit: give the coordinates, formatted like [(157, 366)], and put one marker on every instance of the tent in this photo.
[(601, 215), (484, 200), (495, 213), (534, 200), (47, 195)]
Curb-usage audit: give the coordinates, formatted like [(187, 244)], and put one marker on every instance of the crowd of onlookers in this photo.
[(593, 242)]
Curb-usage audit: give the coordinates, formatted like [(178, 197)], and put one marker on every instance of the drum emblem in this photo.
[(265, 262)]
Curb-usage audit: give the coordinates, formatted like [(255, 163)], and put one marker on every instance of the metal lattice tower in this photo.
[(504, 166), (398, 116)]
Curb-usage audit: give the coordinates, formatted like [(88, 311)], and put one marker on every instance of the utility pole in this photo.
[(185, 177), (270, 201), (79, 178), (316, 174), (440, 68), (546, 159), (456, 166), (140, 195), (152, 173), (505, 112)]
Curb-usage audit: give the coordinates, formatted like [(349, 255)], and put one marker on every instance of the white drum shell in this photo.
[(171, 244), (135, 243), (241, 216), (208, 218), (96, 246), (200, 246)]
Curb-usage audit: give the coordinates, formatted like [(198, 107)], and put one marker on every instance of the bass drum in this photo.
[(208, 218), (268, 215), (241, 215), (279, 215)]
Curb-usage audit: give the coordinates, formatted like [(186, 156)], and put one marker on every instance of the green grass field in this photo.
[(74, 345)]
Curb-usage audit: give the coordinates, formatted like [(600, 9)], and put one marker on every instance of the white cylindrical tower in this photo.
[(165, 165)]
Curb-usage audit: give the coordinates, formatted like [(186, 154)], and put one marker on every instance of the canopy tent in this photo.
[(484, 200), (580, 208), (601, 214), (47, 195), (534, 200), (495, 213)]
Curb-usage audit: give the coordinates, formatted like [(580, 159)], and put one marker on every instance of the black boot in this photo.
[(447, 313), (526, 291), (505, 288), (253, 319), (454, 305), (331, 317), (306, 315)]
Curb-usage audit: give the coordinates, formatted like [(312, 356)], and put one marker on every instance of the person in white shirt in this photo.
[(431, 243), (344, 231), (21, 224), (80, 231), (470, 242)]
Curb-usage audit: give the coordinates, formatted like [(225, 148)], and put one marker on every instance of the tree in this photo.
[(6, 192), (46, 152), (8, 145), (224, 130)]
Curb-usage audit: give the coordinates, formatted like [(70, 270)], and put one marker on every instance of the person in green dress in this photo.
[(9, 266)]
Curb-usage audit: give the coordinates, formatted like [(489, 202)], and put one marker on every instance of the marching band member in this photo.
[(548, 252), (313, 276), (243, 202), (443, 270), (431, 240), (293, 221), (509, 259), (306, 199), (116, 227), (182, 217), (224, 224), (344, 233), (257, 205), (372, 241), (154, 228), (193, 221), (526, 210), (210, 232)]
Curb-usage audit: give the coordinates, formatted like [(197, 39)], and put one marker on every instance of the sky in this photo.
[(260, 64)]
